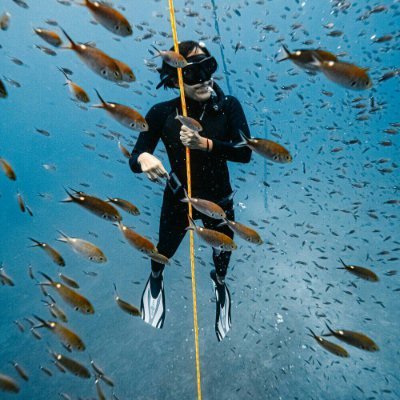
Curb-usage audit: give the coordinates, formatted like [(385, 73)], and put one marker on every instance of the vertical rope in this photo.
[(189, 186)]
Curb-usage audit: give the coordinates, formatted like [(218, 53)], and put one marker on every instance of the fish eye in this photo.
[(275, 157), (353, 83), (116, 73), (103, 72), (132, 124), (117, 27)]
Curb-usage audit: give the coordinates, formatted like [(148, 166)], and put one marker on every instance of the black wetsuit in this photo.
[(221, 118)]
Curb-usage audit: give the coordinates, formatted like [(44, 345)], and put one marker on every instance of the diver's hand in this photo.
[(193, 140), (152, 167)]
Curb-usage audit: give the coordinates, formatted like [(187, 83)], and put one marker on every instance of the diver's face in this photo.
[(201, 91)]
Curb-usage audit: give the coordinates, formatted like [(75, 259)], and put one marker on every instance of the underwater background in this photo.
[(339, 198)]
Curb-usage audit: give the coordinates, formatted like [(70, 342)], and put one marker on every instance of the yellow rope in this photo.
[(189, 187)]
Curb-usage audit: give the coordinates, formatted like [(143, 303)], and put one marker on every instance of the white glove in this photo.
[(192, 139), (152, 167)]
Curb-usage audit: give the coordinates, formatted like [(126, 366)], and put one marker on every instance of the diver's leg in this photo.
[(221, 261), (173, 221), (221, 258)]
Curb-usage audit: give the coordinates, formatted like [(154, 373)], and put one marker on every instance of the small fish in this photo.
[(46, 50), (171, 58), (78, 92), (99, 390), (8, 170), (95, 205), (361, 272), (51, 252), (21, 371), (19, 325), (69, 281), (246, 233), (100, 373), (3, 90), (8, 384), (161, 259), (125, 205), (206, 207), (124, 150), (215, 239), (125, 306), (98, 61), (355, 339), (5, 279), (267, 148), (189, 122), (124, 115), (21, 3), (5, 21), (66, 335), (304, 58), (110, 18), (50, 37), (55, 310), (126, 71), (70, 296), (329, 346), (345, 74), (71, 365), (84, 248), (137, 241), (21, 202)]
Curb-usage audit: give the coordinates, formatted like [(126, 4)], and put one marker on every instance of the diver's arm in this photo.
[(237, 122), (147, 141)]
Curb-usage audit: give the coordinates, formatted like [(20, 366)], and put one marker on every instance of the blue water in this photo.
[(330, 202)]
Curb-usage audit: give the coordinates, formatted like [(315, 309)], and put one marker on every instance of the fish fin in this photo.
[(73, 44), (192, 225), (288, 54), (244, 141)]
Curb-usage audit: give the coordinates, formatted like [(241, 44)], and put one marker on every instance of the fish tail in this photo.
[(312, 333), (103, 103), (70, 197), (244, 141), (344, 265), (158, 51), (332, 332), (37, 243), (317, 61), (224, 222), (73, 44), (192, 225), (63, 72), (64, 237), (43, 322), (46, 277), (186, 199), (288, 54)]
